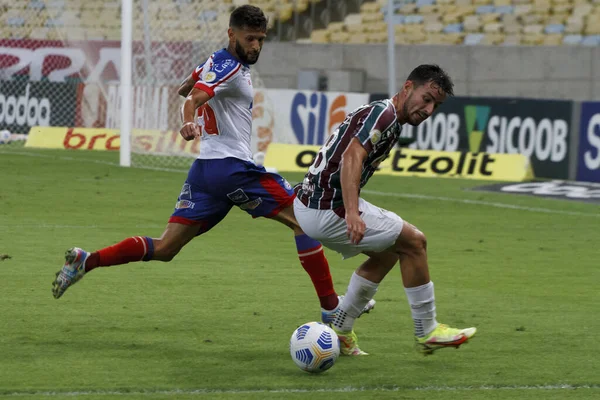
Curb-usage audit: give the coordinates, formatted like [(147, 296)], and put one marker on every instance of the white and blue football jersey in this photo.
[(226, 119)]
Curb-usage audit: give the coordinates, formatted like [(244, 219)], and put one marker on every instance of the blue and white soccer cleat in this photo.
[(71, 272), (327, 316)]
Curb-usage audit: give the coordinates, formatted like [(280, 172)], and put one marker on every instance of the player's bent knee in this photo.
[(411, 241), (420, 241), (418, 244)]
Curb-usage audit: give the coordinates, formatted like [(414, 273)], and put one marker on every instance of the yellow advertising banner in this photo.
[(143, 141), (409, 162)]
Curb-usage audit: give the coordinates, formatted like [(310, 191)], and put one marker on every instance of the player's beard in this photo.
[(410, 118), (405, 112), (243, 55)]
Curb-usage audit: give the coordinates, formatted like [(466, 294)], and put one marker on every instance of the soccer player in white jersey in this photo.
[(329, 208), (218, 111)]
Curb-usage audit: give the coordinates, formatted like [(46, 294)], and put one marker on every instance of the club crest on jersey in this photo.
[(210, 76), (375, 136)]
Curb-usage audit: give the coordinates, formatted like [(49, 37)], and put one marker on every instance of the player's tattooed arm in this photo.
[(351, 170)]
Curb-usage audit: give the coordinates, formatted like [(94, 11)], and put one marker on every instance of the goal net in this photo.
[(167, 46), (60, 66)]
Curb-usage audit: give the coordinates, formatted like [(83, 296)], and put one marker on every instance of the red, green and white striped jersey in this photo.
[(377, 129)]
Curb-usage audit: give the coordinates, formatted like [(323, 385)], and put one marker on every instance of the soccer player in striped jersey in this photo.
[(329, 209), (218, 111)]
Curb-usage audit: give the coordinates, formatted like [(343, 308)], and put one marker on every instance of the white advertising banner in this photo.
[(306, 117), (279, 115)]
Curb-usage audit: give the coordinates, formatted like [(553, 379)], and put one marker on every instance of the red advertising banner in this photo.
[(92, 61)]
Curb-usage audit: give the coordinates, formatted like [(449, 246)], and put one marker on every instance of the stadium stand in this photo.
[(469, 22)]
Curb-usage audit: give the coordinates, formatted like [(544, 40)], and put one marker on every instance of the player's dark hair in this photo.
[(432, 73), (248, 17)]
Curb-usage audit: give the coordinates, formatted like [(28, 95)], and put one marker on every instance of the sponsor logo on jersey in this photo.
[(251, 205), (222, 66), (308, 187), (186, 192), (238, 196)]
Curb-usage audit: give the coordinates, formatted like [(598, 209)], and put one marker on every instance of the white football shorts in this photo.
[(382, 228)]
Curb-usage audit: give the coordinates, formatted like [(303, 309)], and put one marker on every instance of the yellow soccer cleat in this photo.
[(443, 336), (349, 344)]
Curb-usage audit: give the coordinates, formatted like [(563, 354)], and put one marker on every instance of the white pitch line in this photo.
[(348, 389), (480, 203)]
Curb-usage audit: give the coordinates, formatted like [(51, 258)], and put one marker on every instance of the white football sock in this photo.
[(360, 291), (422, 306)]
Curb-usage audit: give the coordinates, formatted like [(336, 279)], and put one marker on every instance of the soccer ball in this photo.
[(314, 347), (5, 136)]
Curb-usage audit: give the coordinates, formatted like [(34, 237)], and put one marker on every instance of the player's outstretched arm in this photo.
[(190, 130), (351, 170)]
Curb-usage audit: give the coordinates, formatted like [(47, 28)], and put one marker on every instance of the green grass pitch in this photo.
[(215, 322)]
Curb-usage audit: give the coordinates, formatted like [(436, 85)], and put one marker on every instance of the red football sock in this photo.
[(137, 248), (315, 264)]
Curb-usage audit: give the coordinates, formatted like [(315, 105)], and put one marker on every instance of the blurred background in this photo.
[(89, 86), (534, 60)]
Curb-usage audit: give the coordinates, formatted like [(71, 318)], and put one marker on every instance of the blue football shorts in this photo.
[(214, 186)]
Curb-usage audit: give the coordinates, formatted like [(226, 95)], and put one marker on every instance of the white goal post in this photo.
[(160, 47)]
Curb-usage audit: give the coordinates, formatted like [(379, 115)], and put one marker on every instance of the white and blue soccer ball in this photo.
[(5, 136), (314, 347)]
